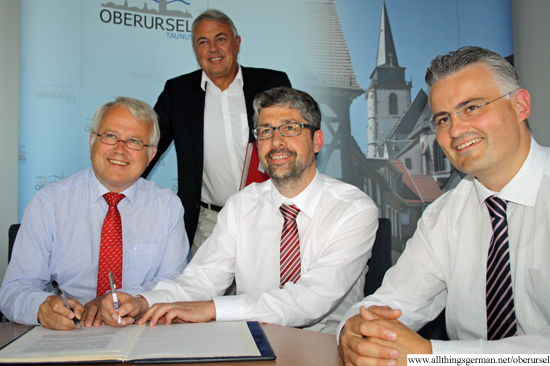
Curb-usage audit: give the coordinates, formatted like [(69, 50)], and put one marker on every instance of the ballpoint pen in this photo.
[(65, 302), (115, 298)]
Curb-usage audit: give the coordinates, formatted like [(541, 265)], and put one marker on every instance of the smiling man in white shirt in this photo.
[(480, 118), (336, 225)]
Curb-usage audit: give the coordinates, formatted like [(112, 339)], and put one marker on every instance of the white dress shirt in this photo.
[(60, 235), (225, 139), (337, 226), (444, 264)]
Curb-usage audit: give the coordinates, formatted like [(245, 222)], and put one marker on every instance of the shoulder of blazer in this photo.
[(253, 72), (187, 83)]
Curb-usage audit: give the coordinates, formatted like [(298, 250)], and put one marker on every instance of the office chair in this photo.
[(12, 233), (380, 260)]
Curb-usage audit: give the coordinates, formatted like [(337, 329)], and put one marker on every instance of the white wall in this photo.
[(9, 125), (531, 58)]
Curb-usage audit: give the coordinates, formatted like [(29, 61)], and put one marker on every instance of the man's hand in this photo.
[(408, 341), (92, 311), (357, 349), (376, 337), (130, 308), (52, 314), (180, 312)]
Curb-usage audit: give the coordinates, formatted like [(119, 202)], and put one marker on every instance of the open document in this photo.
[(188, 342)]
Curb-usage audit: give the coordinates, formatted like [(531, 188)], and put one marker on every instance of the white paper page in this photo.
[(195, 340), (103, 342)]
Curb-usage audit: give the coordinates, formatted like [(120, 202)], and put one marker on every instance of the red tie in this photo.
[(110, 252), (290, 245)]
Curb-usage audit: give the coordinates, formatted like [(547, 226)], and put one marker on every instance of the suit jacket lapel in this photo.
[(250, 90), (196, 98)]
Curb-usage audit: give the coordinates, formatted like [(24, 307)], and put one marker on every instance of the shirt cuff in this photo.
[(36, 300), (354, 310), (229, 308), (154, 297), (457, 347)]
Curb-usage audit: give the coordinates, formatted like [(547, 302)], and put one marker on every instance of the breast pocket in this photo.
[(142, 262), (537, 288)]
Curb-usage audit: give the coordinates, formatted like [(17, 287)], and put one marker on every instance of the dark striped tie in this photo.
[(501, 317), (290, 245)]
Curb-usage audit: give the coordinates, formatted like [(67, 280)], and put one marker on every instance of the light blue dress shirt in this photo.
[(60, 237)]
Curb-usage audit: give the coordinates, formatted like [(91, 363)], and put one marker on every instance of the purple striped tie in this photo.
[(290, 246), (501, 317)]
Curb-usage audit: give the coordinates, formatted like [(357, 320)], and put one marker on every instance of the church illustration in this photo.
[(404, 169)]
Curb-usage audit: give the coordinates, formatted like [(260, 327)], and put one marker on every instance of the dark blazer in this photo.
[(181, 118)]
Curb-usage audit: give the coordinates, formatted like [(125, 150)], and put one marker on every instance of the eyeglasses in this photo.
[(442, 120), (112, 139), (288, 130)]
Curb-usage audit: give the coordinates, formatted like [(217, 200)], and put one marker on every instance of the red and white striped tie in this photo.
[(290, 245)]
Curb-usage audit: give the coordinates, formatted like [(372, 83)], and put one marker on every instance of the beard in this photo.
[(290, 173)]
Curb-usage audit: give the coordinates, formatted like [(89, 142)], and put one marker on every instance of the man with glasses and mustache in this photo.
[(481, 251), (296, 245), (104, 218)]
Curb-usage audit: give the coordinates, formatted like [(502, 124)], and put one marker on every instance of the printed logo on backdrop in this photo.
[(161, 161), (63, 92), (22, 158), (147, 72), (175, 185), (88, 125), (42, 181), (173, 23)]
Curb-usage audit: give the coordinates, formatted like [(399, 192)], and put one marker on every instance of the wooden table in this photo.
[(293, 347)]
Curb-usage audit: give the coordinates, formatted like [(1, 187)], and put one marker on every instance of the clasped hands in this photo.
[(376, 337)]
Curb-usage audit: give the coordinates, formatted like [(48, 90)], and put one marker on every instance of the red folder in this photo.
[(253, 172)]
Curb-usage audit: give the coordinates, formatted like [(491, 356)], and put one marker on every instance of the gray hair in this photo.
[(289, 98), (216, 16), (504, 74), (139, 109)]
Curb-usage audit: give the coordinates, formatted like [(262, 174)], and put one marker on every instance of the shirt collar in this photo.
[(238, 82), (524, 186), (306, 201), (97, 190)]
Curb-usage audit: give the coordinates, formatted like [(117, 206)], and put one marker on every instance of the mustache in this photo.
[(280, 151)]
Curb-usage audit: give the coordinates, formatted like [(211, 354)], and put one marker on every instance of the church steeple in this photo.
[(386, 48), (388, 95)]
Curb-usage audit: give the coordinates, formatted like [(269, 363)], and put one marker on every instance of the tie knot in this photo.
[(497, 207), (289, 212), (113, 199)]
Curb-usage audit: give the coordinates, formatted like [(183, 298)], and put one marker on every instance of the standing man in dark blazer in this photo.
[(208, 114)]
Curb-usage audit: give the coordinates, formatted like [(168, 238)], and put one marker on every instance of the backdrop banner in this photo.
[(362, 60)]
